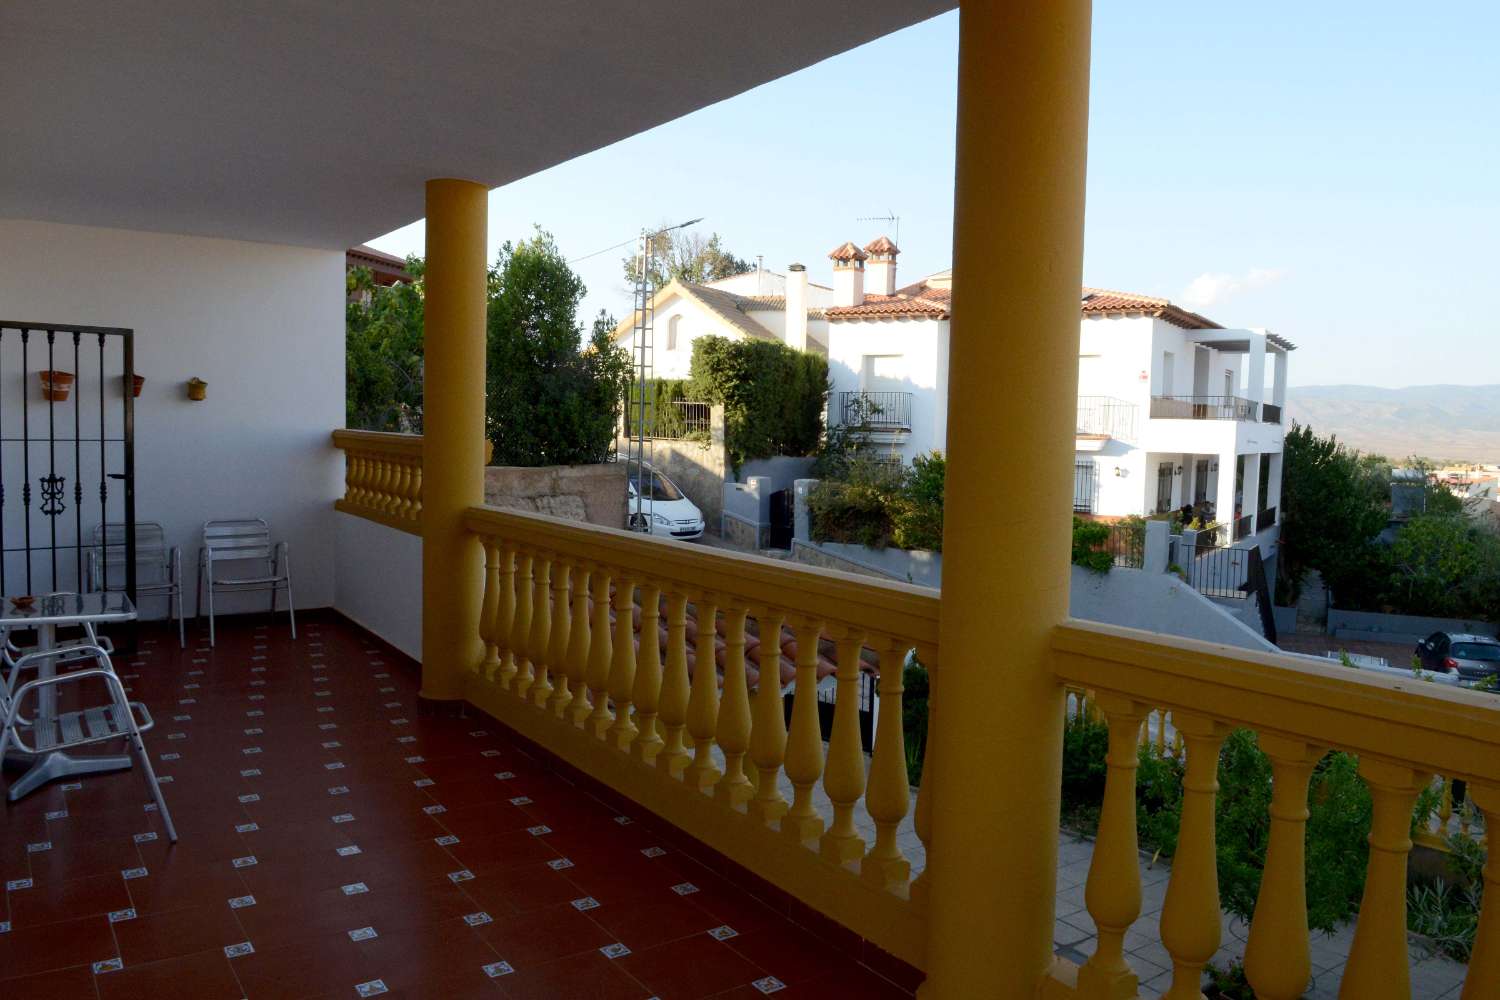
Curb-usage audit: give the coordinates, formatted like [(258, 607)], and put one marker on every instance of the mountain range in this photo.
[(1458, 423)]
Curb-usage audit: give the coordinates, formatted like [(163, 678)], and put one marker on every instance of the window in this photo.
[(1083, 487), (672, 325)]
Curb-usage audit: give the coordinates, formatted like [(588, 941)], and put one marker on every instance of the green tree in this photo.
[(774, 396), (1444, 564), (548, 402), (383, 352), (686, 255), (1333, 505)]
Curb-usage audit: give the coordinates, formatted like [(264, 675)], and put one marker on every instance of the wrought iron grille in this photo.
[(67, 452)]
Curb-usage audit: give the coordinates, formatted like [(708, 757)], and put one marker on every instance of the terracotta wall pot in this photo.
[(56, 385), (137, 381)]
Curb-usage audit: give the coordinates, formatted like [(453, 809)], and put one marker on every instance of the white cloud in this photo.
[(1211, 287)]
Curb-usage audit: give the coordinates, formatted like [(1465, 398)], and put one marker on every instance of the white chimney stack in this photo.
[(882, 266), (848, 275), (796, 306)]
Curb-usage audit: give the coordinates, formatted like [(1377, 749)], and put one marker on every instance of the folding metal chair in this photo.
[(115, 720), (158, 567), (243, 540)]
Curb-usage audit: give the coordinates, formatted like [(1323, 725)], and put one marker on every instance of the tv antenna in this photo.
[(890, 218)]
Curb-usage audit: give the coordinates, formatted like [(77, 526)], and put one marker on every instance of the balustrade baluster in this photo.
[(600, 655), (804, 750), (1445, 808), (703, 699), (674, 689), (506, 614), (1378, 964), (1190, 916), (922, 820), (646, 692), (733, 731), (490, 609), (1484, 963), (416, 489), (1113, 891), (888, 797), (622, 665), (1161, 732), (1277, 959), (361, 495), (383, 484), (400, 506), (557, 648), (351, 476), (539, 642), (520, 679), (579, 707), (844, 776), (768, 721)]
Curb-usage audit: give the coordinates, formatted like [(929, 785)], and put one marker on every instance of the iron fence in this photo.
[(1265, 519), (1217, 571), (1127, 544), (1244, 527), (876, 410), (1108, 416)]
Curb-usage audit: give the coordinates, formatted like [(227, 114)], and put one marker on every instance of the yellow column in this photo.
[(1012, 388), (452, 434)]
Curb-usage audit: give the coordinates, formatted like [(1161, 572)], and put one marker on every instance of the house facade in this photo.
[(1174, 411)]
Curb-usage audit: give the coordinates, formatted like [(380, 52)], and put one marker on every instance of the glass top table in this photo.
[(44, 615)]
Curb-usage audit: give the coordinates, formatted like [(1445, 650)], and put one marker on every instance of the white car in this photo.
[(665, 510)]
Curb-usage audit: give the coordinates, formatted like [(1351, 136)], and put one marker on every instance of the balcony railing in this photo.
[(1402, 734), (583, 649), (1204, 408), (382, 477), (876, 411), (1107, 415), (1244, 527), (1265, 519), (1270, 413), (585, 635)]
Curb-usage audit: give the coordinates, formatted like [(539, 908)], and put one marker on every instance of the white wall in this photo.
[(380, 580), (262, 324), (923, 347)]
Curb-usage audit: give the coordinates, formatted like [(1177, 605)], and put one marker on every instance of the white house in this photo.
[(758, 304), (1173, 410)]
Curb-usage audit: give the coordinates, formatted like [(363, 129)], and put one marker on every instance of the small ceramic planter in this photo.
[(197, 389), (137, 382), (56, 385)]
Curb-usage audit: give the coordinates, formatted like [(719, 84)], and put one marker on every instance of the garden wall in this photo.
[(922, 568), (592, 493), (1379, 627)]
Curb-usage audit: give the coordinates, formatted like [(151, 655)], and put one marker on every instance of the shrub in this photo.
[(874, 504), (917, 521), (914, 702), (1089, 537), (774, 396)]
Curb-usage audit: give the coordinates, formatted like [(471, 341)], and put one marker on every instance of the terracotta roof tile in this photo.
[(882, 245), (847, 251), (919, 301), (1102, 302)]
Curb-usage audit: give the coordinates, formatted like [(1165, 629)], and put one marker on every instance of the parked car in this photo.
[(1472, 657), (662, 508)]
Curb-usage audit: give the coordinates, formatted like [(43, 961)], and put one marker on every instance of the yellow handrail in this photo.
[(383, 477), (705, 749)]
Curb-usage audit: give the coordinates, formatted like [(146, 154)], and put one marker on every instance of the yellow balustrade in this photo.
[(1403, 731), (701, 749), (382, 477), (1484, 963)]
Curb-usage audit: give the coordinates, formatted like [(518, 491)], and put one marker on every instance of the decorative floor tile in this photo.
[(616, 950), (586, 903), (459, 876), (246, 827), (475, 919), (434, 810), (145, 838), (246, 862), (120, 916), (344, 818), (239, 950), (504, 775), (559, 864), (497, 969), (363, 934), (521, 800), (108, 965), (245, 800), (355, 888), (39, 847), (539, 831), (684, 888), (339, 790), (130, 873), (348, 850), (723, 933), (424, 783), (447, 840), (652, 852), (56, 814), (769, 984), (240, 902), (21, 883)]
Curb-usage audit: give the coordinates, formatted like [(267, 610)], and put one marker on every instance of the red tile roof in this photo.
[(846, 252), (919, 301), (882, 245), (1101, 302)]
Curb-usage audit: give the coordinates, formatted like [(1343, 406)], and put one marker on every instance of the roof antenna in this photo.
[(889, 217)]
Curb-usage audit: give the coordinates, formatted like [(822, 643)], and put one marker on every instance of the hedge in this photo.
[(774, 396)]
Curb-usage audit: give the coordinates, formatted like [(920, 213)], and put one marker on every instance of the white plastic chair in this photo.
[(115, 720), (158, 568), (243, 540)]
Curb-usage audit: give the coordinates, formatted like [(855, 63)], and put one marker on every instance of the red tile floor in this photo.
[(335, 843)]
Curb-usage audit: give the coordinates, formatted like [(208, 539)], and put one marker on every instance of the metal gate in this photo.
[(783, 519), (67, 454)]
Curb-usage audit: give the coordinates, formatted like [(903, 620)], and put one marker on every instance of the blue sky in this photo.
[(1327, 171)]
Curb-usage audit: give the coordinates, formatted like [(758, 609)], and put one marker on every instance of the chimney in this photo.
[(848, 275), (882, 266), (796, 306)]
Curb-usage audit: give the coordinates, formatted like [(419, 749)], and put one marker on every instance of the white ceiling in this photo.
[(315, 123)]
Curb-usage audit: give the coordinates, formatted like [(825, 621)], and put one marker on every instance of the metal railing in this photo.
[(692, 418), (1085, 487), (1270, 413), (876, 411), (1127, 544), (1204, 408), (1244, 527), (1265, 519), (1107, 415), (1216, 571)]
